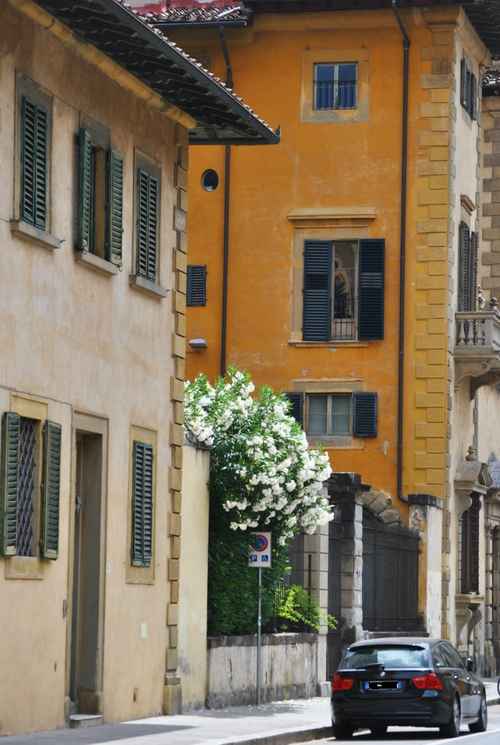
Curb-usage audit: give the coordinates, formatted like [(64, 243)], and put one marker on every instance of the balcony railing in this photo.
[(478, 332), (477, 342)]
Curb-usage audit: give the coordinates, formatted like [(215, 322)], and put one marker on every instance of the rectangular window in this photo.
[(335, 85), (343, 296), (335, 414), (34, 137), (100, 208), (142, 504), (469, 547), (24, 522), (330, 415), (468, 88), (147, 222), (196, 285)]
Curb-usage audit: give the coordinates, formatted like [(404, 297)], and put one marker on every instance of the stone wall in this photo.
[(289, 668)]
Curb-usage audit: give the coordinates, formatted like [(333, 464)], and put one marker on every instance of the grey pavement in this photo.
[(278, 723)]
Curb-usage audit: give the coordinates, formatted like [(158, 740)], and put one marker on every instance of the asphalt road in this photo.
[(401, 736)]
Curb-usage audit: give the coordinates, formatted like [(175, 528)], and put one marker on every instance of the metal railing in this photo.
[(477, 332), (344, 329), (331, 94)]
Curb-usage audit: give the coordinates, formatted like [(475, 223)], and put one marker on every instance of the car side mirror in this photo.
[(469, 665)]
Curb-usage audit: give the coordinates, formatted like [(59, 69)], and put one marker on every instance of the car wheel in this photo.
[(379, 731), (452, 729), (342, 731), (482, 723)]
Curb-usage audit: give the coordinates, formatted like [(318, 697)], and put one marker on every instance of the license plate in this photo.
[(383, 685)]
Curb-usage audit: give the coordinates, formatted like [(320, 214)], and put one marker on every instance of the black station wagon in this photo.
[(406, 682)]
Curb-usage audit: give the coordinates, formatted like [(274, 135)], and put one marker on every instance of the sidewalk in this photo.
[(279, 723)]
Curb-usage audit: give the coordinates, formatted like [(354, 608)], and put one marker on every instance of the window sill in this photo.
[(95, 262), (327, 344), (147, 287), (41, 237), (337, 443), (23, 567)]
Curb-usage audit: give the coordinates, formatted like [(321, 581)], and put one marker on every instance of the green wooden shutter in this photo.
[(464, 268), (296, 406), (9, 469), (365, 414), (51, 489), (142, 504), (317, 298), (114, 214), (148, 193), (86, 206), (34, 163), (196, 293), (473, 271), (371, 289)]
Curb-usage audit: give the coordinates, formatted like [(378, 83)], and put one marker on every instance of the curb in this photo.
[(286, 738), (303, 735)]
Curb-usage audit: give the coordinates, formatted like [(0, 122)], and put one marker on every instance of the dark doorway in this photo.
[(86, 647), (496, 597), (390, 576)]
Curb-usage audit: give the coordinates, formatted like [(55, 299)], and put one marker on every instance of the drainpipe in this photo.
[(227, 203), (402, 249)]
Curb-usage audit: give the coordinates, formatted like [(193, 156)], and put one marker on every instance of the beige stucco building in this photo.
[(97, 111)]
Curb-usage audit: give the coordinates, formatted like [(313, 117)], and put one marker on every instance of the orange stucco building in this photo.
[(340, 266)]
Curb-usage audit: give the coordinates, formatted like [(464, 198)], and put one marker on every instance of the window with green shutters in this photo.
[(142, 504), (330, 415), (19, 487), (147, 223), (343, 290), (100, 196), (34, 139)]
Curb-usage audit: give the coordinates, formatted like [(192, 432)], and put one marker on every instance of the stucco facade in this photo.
[(93, 323), (338, 177), (85, 353)]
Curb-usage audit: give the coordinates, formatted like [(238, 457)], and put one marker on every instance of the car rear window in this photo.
[(390, 656)]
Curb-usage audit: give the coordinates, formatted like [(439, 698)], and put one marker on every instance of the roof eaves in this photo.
[(233, 107)]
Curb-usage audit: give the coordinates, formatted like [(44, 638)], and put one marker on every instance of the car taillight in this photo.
[(429, 682), (339, 683)]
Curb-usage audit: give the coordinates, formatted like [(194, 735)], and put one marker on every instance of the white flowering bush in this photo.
[(263, 474)]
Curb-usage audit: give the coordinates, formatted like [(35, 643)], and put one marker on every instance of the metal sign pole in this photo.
[(259, 639), (260, 556)]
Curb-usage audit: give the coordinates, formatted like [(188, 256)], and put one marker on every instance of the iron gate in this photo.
[(390, 576)]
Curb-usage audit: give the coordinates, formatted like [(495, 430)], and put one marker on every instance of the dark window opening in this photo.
[(210, 180), (469, 547), (335, 85), (468, 89)]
